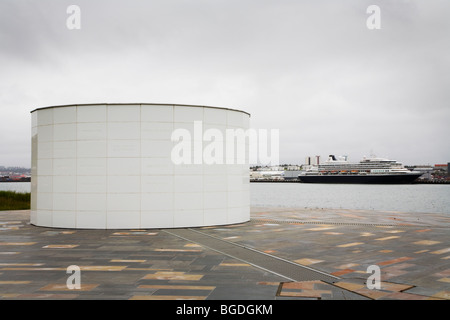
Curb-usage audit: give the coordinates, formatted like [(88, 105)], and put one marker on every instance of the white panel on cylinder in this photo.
[(124, 166)]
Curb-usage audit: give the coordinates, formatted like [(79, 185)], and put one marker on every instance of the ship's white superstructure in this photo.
[(341, 165)]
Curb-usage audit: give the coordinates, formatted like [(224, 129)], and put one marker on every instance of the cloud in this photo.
[(309, 68)]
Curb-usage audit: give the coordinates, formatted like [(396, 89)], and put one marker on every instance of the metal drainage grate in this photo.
[(281, 267), (330, 223)]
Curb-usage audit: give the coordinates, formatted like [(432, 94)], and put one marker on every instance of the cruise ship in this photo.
[(368, 170)]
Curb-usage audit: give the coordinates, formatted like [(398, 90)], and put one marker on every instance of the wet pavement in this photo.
[(332, 253)]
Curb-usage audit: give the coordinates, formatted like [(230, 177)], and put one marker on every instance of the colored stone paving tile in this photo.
[(127, 261), (192, 245), (63, 287), (303, 285), (342, 272), (397, 260), (347, 265), (441, 251), (54, 233), (395, 231), (32, 269), (349, 285), (177, 250), (367, 234), (22, 264), (305, 293), (223, 264), (426, 242), (175, 287), (307, 261), (406, 296), (10, 222), (387, 238), (422, 230), (352, 244), (390, 286), (372, 294), (396, 270), (60, 246), (102, 268), (321, 228), (134, 233), (163, 275), (442, 295), (443, 273), (306, 289), (17, 243), (44, 296), (9, 295)]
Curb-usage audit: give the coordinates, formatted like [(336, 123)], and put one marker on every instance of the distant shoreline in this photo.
[(298, 181), (278, 181)]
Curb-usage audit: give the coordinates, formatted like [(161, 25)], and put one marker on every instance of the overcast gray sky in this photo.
[(312, 69)]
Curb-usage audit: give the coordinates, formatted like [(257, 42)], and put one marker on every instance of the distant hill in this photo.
[(8, 170)]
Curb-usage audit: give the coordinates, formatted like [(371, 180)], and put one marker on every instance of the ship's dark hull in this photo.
[(364, 179)]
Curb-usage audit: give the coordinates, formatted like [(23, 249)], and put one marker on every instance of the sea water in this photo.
[(429, 198)]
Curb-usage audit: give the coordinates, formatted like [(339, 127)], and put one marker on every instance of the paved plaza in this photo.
[(329, 252)]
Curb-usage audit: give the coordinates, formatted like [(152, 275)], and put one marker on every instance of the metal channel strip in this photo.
[(349, 224), (281, 267), (356, 224)]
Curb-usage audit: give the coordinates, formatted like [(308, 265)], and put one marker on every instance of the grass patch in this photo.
[(12, 200)]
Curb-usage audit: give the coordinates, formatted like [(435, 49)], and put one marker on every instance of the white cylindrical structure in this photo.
[(134, 166)]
